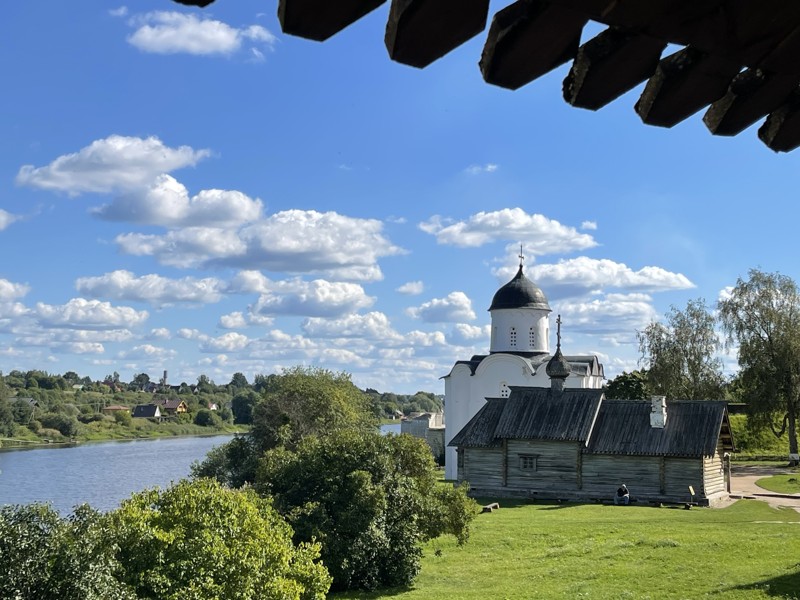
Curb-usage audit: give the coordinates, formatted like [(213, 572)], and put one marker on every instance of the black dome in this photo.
[(520, 292)]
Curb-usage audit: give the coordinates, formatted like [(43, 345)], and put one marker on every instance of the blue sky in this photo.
[(193, 190)]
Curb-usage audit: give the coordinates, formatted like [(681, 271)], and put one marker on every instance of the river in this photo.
[(100, 473)]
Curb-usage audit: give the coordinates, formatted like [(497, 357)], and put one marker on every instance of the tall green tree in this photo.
[(305, 401), (370, 500), (762, 317), (681, 355), (628, 386)]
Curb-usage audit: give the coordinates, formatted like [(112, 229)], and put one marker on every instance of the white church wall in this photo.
[(522, 320)]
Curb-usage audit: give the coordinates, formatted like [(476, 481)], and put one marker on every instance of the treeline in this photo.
[(53, 406), (759, 318), (312, 498)]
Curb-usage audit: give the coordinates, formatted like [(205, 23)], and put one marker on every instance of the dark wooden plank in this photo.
[(320, 19), (609, 65), (785, 57), (527, 39), (781, 131), (421, 31), (684, 83), (200, 3), (751, 96)]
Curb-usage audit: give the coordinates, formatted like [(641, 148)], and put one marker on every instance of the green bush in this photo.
[(756, 442), (68, 426), (207, 418), (123, 417), (200, 541)]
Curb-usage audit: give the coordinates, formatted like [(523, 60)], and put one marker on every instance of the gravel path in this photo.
[(743, 483)]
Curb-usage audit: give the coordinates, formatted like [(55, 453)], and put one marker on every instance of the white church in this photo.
[(518, 356)]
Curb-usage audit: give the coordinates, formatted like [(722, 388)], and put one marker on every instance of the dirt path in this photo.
[(743, 483)]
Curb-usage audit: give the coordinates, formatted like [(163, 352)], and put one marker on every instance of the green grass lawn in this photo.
[(748, 550), (782, 484)]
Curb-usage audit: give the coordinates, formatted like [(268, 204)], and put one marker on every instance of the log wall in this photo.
[(483, 467), (556, 465)]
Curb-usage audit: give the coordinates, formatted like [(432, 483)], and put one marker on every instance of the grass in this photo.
[(782, 484), (745, 551)]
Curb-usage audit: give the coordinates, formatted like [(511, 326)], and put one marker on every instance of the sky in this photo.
[(191, 190)]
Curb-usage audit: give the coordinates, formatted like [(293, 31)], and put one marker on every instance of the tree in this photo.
[(207, 418), (139, 382), (242, 406), (681, 356), (370, 499), (762, 316), (238, 381), (6, 418), (309, 401), (628, 386), (200, 541), (44, 557)]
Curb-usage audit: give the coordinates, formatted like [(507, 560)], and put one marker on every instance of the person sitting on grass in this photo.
[(622, 496)]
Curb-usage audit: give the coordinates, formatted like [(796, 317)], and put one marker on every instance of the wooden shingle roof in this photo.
[(538, 414), (479, 431), (693, 429), (740, 59)]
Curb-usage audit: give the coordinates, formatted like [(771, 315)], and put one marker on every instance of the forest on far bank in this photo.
[(46, 407)]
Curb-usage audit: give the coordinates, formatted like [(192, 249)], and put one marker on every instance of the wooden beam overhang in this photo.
[(528, 39), (421, 31), (609, 65), (781, 130), (684, 83), (330, 17), (751, 96)]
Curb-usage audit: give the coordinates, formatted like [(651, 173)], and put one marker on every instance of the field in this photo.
[(747, 550)]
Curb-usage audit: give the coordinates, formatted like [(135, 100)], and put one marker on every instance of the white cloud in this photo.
[(537, 233), (166, 202), (80, 313), (227, 342), (169, 32), (112, 164), (155, 289), (455, 308), (293, 241), (84, 348), (412, 288), (589, 225), (6, 219), (426, 338), (185, 248), (10, 290), (160, 333), (234, 320), (118, 12), (579, 275), (190, 334), (620, 314), (300, 241), (463, 334), (318, 298), (147, 351), (372, 326), (478, 169)]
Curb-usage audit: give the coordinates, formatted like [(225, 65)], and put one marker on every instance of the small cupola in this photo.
[(558, 368)]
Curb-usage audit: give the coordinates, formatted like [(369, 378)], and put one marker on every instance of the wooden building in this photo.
[(573, 444)]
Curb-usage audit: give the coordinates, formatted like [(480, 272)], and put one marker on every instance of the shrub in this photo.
[(123, 417), (207, 418), (199, 540), (68, 426)]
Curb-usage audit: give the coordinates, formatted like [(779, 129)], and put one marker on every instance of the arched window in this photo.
[(512, 337), (505, 391)]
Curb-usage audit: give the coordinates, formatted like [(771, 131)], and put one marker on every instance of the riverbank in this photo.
[(114, 432)]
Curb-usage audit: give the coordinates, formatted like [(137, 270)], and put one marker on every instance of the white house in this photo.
[(518, 355)]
